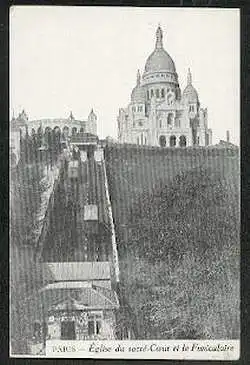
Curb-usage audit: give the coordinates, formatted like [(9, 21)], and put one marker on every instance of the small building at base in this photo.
[(79, 304)]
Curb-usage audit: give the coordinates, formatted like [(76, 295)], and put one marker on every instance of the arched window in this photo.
[(160, 123), (74, 131), (148, 94), (48, 136), (183, 141), (162, 141), (145, 140), (57, 130), (172, 141), (157, 93), (162, 93), (81, 130), (170, 118), (152, 93)]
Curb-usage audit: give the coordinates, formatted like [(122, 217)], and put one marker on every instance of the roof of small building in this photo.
[(83, 137), (79, 271)]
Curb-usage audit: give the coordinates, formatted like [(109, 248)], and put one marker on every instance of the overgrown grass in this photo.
[(179, 246)]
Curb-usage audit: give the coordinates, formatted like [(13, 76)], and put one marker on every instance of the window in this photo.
[(74, 131), (90, 212), (68, 330), (160, 123), (148, 94), (94, 323), (138, 140), (177, 123), (152, 93), (141, 138), (162, 93), (157, 93), (170, 119), (140, 123)]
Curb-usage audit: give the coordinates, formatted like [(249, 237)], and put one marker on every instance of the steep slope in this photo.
[(178, 225)]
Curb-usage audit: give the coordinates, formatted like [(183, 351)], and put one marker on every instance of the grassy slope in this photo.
[(180, 259), (26, 275)]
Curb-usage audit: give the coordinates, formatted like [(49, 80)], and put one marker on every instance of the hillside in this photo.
[(177, 218), (29, 184)]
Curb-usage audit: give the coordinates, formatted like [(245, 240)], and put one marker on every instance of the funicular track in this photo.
[(83, 182)]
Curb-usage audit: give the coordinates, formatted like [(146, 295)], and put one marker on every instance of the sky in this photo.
[(66, 59)]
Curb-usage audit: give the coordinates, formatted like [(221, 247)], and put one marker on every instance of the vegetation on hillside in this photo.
[(179, 253), (27, 185)]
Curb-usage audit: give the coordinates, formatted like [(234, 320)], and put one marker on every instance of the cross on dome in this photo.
[(159, 37)]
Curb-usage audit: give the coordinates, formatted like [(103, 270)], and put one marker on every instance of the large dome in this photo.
[(159, 60)]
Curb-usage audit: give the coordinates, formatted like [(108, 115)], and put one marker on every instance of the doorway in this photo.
[(183, 141), (68, 331), (172, 141), (162, 141)]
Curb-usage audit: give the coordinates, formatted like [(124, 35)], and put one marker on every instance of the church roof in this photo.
[(159, 59)]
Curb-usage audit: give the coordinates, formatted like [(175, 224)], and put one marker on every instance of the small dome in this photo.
[(138, 94), (190, 93), (159, 60)]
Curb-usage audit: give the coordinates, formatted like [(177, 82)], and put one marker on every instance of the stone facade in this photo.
[(80, 320), (159, 114), (21, 125)]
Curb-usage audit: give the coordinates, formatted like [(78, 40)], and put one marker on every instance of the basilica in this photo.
[(159, 114)]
